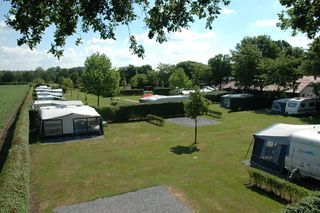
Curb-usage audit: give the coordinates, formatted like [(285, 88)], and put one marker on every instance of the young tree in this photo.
[(220, 67), (98, 77), (66, 84), (179, 79), (32, 18), (197, 105)]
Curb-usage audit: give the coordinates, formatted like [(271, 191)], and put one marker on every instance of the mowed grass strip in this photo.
[(10, 97), (137, 155), (92, 99)]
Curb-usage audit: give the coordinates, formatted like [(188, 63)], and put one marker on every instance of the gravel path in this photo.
[(151, 200), (188, 122)]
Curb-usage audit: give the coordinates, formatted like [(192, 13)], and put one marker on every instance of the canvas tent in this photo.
[(279, 106), (271, 145), (163, 98), (225, 99), (70, 120)]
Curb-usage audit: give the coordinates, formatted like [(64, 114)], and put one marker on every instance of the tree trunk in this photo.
[(195, 130), (98, 101), (78, 94)]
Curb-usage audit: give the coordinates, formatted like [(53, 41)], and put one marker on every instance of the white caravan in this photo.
[(304, 153), (300, 106)]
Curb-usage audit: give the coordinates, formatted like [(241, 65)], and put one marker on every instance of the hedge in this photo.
[(280, 187), (310, 204), (214, 114), (249, 103), (14, 178), (139, 112), (131, 92), (156, 120), (161, 91), (215, 96)]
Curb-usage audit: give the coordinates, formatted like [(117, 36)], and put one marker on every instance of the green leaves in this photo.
[(33, 17), (197, 105)]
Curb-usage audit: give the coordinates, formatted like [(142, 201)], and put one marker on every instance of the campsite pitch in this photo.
[(153, 199), (188, 122)]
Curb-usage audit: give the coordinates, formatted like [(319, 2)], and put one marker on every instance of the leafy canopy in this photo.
[(179, 79), (71, 17), (196, 105)]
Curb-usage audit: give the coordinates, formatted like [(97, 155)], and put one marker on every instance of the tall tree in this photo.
[(164, 71), (246, 59), (179, 79), (196, 105), (311, 64), (139, 80), (99, 78), (32, 18), (220, 66)]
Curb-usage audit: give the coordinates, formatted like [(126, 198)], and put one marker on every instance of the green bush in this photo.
[(139, 112), (250, 103), (277, 186), (161, 91), (214, 114), (214, 96), (310, 204), (156, 120), (14, 178), (131, 92)]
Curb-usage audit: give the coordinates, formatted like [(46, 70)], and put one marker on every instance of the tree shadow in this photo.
[(184, 149)]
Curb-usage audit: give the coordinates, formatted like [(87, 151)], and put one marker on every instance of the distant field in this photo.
[(137, 155), (92, 99), (10, 96)]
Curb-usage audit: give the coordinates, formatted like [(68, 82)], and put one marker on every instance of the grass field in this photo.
[(137, 155), (10, 97), (92, 99)]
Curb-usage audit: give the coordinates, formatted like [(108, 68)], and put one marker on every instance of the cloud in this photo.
[(227, 11), (266, 23), (299, 41)]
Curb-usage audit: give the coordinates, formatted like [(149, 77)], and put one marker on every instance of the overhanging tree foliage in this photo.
[(99, 78), (70, 17), (197, 105)]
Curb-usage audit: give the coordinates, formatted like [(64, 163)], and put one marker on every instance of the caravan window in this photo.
[(303, 105), (80, 125), (52, 127), (93, 124), (292, 104), (271, 151)]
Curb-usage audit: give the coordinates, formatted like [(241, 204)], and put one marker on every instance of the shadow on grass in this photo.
[(184, 149), (267, 194)]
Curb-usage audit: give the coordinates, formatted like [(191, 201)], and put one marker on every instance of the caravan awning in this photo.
[(53, 112), (281, 132)]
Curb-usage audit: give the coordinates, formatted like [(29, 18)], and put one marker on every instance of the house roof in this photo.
[(51, 112)]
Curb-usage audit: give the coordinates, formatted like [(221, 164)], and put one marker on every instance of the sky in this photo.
[(239, 19)]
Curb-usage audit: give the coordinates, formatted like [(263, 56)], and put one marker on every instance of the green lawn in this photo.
[(136, 155), (10, 96), (92, 99)]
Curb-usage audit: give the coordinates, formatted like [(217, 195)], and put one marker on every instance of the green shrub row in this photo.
[(249, 103), (280, 187), (309, 204), (214, 96), (14, 178), (139, 112), (156, 120), (214, 114), (161, 91), (131, 92)]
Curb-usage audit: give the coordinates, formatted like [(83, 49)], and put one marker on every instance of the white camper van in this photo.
[(300, 106), (304, 153)]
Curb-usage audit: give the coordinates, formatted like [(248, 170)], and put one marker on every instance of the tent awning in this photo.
[(48, 113)]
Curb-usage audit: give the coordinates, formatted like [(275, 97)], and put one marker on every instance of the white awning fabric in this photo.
[(48, 113)]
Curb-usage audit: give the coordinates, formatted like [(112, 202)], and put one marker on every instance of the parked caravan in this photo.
[(270, 145), (225, 99), (70, 120), (279, 106), (163, 99), (301, 106), (304, 153), (44, 103)]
